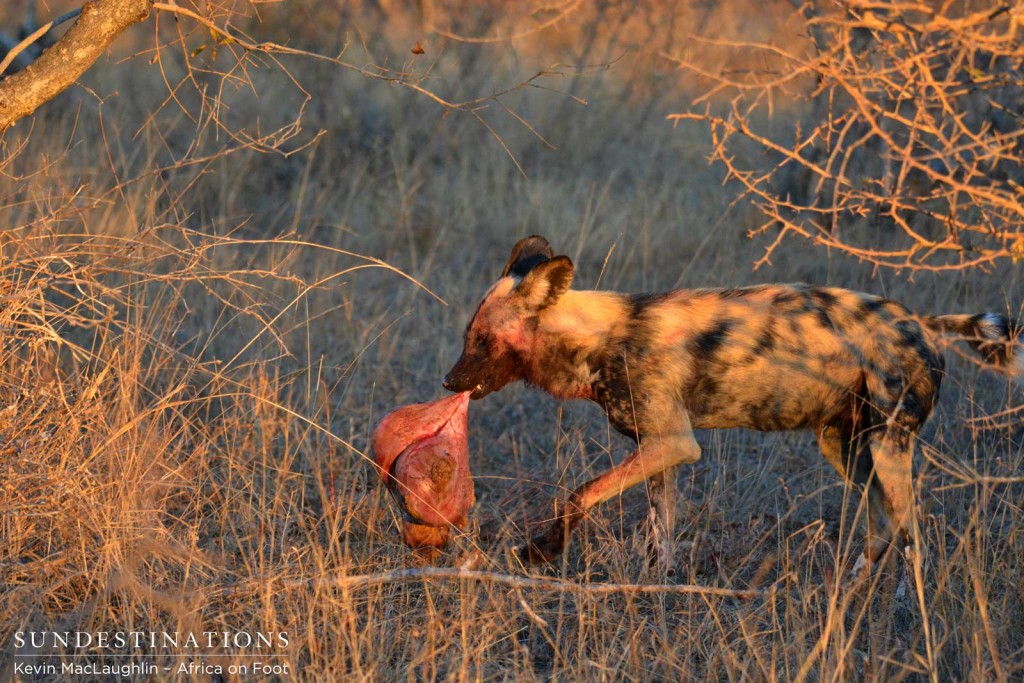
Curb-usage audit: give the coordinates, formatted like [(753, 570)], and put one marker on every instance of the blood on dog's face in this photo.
[(500, 337)]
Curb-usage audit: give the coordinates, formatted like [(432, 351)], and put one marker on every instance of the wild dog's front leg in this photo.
[(654, 456), (661, 522)]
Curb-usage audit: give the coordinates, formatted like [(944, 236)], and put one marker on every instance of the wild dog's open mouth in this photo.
[(476, 391)]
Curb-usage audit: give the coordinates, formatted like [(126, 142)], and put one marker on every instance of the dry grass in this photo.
[(199, 339)]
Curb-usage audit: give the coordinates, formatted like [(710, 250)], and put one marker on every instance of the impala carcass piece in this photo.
[(423, 455)]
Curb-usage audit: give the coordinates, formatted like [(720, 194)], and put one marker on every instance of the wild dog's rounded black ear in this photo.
[(545, 283), (527, 253)]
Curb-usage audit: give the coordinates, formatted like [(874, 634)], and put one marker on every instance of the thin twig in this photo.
[(36, 35), (568, 9)]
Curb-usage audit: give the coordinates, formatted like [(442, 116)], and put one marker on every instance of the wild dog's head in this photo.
[(500, 337)]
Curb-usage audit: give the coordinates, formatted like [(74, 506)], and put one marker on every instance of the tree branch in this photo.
[(904, 155), (425, 574), (99, 23)]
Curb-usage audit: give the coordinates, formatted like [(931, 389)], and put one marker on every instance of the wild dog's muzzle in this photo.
[(459, 380)]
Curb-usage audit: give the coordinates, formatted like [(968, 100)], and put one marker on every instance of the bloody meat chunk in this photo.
[(423, 454)]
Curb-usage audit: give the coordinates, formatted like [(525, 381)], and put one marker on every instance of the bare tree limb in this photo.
[(99, 23), (524, 582)]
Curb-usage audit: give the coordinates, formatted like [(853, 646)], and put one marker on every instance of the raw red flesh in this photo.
[(423, 454)]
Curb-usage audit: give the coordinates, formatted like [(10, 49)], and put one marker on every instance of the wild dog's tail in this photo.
[(996, 338)]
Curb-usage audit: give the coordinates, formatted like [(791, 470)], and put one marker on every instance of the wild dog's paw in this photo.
[(859, 574), (544, 549), (660, 545)]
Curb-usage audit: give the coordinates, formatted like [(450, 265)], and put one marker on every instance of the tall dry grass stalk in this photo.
[(199, 336)]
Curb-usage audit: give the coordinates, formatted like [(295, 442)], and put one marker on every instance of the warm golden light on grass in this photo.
[(199, 335)]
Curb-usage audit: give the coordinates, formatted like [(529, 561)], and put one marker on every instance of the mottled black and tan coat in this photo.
[(861, 371)]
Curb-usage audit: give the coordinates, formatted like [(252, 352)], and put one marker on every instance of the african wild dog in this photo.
[(863, 372)]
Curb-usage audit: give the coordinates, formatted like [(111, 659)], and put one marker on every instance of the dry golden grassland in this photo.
[(199, 337)]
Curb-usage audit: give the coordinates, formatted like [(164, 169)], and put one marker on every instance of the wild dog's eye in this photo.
[(480, 341)]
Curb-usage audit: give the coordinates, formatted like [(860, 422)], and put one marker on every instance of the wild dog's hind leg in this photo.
[(654, 456), (892, 489), (900, 401), (890, 496), (842, 445), (880, 460), (836, 444)]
